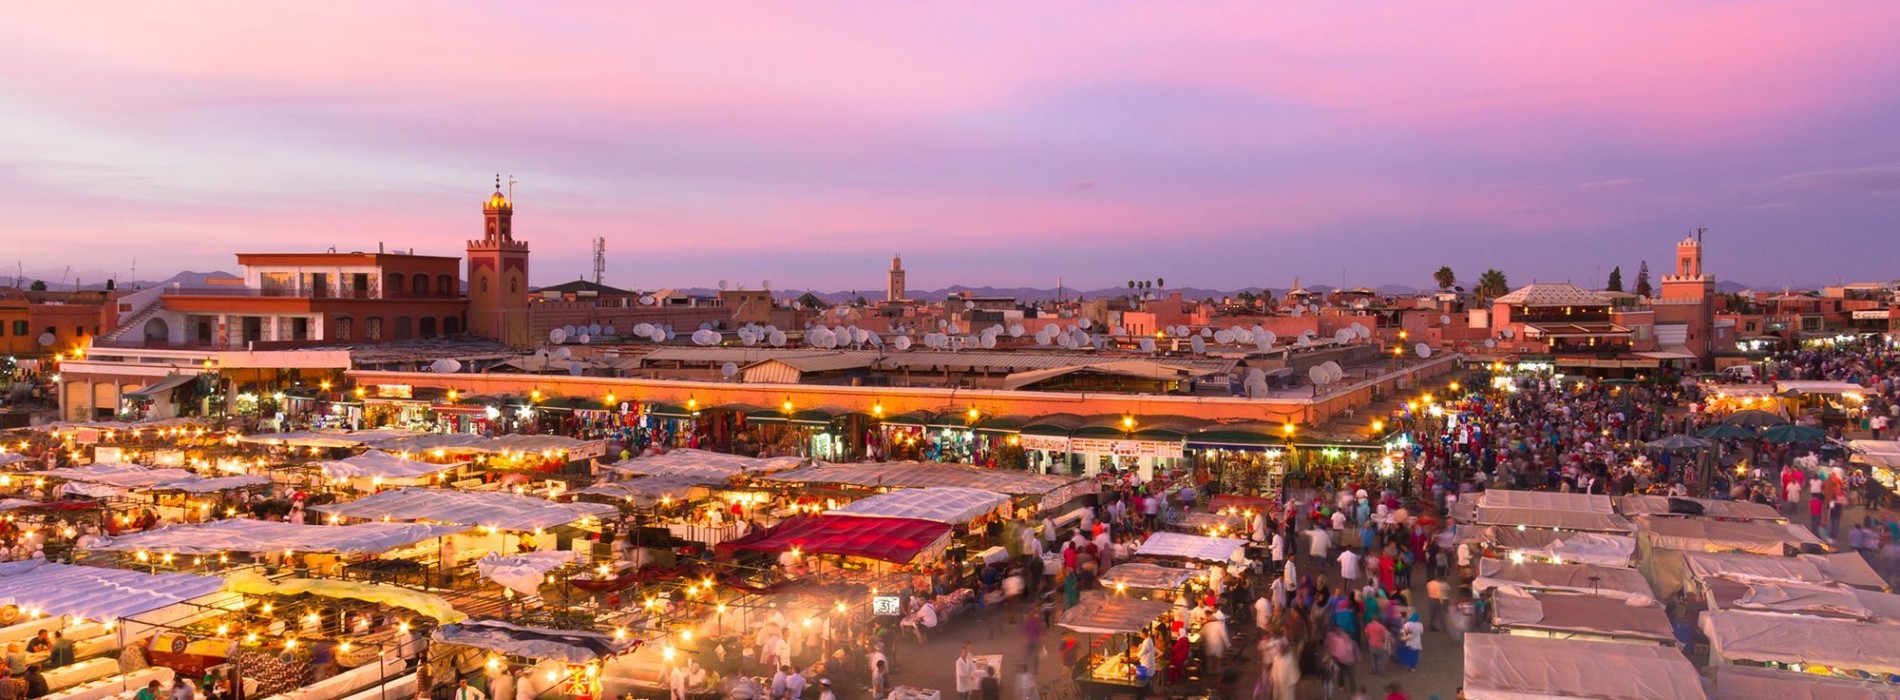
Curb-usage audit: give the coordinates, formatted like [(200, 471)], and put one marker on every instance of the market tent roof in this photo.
[(1174, 545), (1699, 535), (1569, 546), (1623, 618), (1736, 635), (427, 443), (1759, 683), (253, 583), (646, 489), (1880, 453), (1614, 582), (1817, 387), (945, 504), (7, 458), (244, 535), (215, 484), (1540, 518), (96, 593), (502, 510), (710, 468), (377, 463), (567, 646), (1743, 566), (895, 540), (1147, 576), (929, 474), (158, 388), (1848, 568), (125, 476), (912, 418), (526, 443), (1546, 500), (1111, 614), (1804, 599), (1054, 424), (1638, 505), (306, 438), (1243, 434), (1508, 667)]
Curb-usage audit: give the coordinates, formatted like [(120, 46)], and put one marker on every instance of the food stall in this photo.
[(1507, 667), (1577, 616), (1152, 581), (1829, 647), (1753, 683), (1113, 665), (1609, 581)]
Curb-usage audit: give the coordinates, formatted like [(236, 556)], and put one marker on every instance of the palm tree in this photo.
[(1444, 278), (1492, 284)]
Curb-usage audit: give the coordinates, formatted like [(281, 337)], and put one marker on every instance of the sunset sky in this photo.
[(1214, 144)]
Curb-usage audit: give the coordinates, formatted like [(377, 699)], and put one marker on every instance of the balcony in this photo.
[(278, 292)]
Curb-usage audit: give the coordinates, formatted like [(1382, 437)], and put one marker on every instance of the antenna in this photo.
[(511, 189), (600, 257)]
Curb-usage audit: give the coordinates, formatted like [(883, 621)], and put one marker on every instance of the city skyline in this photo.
[(1356, 147)]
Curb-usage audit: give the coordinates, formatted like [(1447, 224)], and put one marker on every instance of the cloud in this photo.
[(1608, 184), (1872, 179)]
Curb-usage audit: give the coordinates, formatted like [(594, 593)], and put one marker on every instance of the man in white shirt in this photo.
[(1279, 548), (463, 692), (1349, 566), (794, 684)]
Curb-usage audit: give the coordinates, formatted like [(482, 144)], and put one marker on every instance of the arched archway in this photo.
[(157, 330)]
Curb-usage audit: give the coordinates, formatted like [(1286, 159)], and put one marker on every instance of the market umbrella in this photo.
[(1792, 433), (1754, 419), (1675, 443), (1724, 431)]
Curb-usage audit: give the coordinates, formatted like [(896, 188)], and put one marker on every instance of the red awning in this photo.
[(896, 540)]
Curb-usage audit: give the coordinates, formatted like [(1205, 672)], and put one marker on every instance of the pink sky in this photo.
[(1215, 144)]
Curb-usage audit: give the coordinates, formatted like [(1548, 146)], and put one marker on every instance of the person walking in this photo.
[(1379, 643), (1411, 643), (966, 674), (1438, 594)]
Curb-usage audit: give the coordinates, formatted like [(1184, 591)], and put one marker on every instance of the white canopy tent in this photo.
[(1755, 683), (647, 490), (96, 593), (1563, 546), (1507, 667), (712, 468), (214, 485), (1174, 545), (505, 511), (944, 504), (1610, 581), (125, 476), (1736, 635), (256, 536), (1571, 614), (1053, 490), (1810, 386), (375, 464), (7, 458)]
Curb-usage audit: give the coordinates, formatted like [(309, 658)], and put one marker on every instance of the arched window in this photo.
[(405, 328), (445, 286), (393, 285), (426, 325), (343, 328), (419, 285), (484, 285), (514, 286), (373, 328), (451, 325)]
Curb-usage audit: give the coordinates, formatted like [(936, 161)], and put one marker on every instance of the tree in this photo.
[(1445, 278), (1643, 288), (1492, 284), (38, 286), (1616, 279)]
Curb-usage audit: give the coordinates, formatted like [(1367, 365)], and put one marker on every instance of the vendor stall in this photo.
[(1506, 667), (1578, 616), (1607, 581), (1198, 548), (1150, 581), (945, 504), (1558, 546), (378, 468), (1753, 683), (1843, 648), (504, 511), (1115, 667)]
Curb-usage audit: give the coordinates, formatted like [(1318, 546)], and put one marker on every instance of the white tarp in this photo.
[(524, 444), (214, 485), (123, 476), (1817, 600), (927, 474), (570, 646), (1506, 667), (7, 458), (1576, 547), (1756, 683), (1174, 545), (944, 504), (244, 535), (501, 510), (309, 438), (523, 573), (1571, 613), (1736, 635), (95, 593), (1546, 500), (646, 490), (1608, 581), (1752, 536), (377, 463), (1806, 386), (710, 468)]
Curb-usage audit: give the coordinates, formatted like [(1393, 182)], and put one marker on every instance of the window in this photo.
[(394, 287), (451, 325), (445, 286), (343, 328), (484, 284), (404, 330), (514, 286), (372, 328), (426, 325), (419, 285)]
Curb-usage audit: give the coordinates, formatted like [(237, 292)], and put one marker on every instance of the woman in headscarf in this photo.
[(1071, 592), (1411, 642), (1388, 572), (1344, 618), (1178, 658)]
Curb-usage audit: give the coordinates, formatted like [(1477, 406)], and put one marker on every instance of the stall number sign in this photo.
[(885, 605)]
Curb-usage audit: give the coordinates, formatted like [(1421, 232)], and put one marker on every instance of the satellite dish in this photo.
[(1016, 330), (1223, 336), (1243, 336), (646, 300), (670, 334), (557, 336), (1444, 319), (1207, 332), (643, 329), (1489, 343), (1422, 349), (1085, 323), (1305, 341), (1266, 339), (765, 285), (1507, 333), (609, 331), (1197, 344), (1363, 331), (876, 341), (1344, 335), (1147, 344), (902, 342), (562, 353), (777, 338), (1317, 374), (705, 326), (729, 369), (574, 370), (570, 331), (47, 339), (585, 339), (593, 329), (969, 304), (1333, 370), (705, 337), (749, 339), (1298, 311), (988, 341)]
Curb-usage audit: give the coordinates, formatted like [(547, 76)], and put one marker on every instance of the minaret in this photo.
[(498, 276), (895, 292)]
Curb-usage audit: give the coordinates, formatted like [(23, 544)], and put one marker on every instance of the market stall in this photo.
[(376, 468), (945, 504), (1844, 648), (1607, 581), (1151, 581), (1664, 544), (1114, 666), (1047, 492), (1754, 683), (1640, 505), (1195, 548), (492, 509), (1557, 546), (1577, 616), (1507, 667), (1546, 509)]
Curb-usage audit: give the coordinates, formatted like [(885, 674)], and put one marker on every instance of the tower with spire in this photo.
[(895, 289), (498, 275)]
